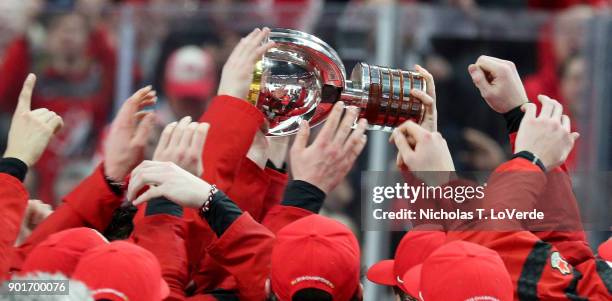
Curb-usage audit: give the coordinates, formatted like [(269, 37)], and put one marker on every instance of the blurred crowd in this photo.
[(250, 237), (73, 46)]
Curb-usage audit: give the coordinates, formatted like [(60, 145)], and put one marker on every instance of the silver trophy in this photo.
[(302, 77)]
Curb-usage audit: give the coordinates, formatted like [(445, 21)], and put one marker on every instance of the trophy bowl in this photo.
[(301, 77)]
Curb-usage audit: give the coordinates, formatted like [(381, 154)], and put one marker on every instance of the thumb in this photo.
[(575, 136), (152, 192), (479, 78), (301, 139), (25, 97)]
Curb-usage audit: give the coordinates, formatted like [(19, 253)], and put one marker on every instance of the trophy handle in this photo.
[(383, 95)]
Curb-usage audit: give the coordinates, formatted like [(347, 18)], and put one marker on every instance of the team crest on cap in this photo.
[(558, 263)]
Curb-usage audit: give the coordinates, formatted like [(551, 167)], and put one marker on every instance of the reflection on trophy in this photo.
[(302, 77)]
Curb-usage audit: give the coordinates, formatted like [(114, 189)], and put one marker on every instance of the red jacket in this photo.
[(538, 269), (234, 123), (83, 100), (164, 235), (572, 244), (90, 204), (13, 201)]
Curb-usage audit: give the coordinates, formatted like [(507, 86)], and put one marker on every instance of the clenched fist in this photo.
[(30, 130), (499, 83), (548, 135)]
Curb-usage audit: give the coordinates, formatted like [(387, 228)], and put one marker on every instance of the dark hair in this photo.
[(311, 294), (121, 225), (403, 296)]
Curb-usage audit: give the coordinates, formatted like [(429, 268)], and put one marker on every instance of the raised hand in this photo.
[(126, 141), (548, 135), (329, 158), (428, 98), (182, 143), (237, 72), (30, 131), (429, 151), (499, 83), (168, 180)]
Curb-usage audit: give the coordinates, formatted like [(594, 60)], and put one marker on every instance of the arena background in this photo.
[(563, 52)]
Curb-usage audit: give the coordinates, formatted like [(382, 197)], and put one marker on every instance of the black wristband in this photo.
[(162, 205), (222, 213), (303, 195), (271, 165), (513, 119), (531, 157), (116, 187), (14, 167)]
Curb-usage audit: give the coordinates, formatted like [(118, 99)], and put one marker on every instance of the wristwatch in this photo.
[(531, 157), (206, 206)]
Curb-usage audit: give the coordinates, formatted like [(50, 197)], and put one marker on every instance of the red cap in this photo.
[(315, 252), (61, 251), (412, 281), (412, 250), (605, 250), (190, 72), (462, 271), (122, 271)]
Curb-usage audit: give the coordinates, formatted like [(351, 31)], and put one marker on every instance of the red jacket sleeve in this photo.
[(280, 216), (538, 270), (572, 244), (249, 188), (234, 123), (164, 236), (13, 71), (13, 201), (245, 250), (90, 204), (275, 191)]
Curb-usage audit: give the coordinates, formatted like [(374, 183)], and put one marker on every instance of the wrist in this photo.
[(113, 174), (318, 184), (205, 203), (11, 154), (531, 157), (513, 118)]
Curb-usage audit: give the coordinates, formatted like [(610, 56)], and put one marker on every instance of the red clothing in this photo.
[(83, 100), (234, 123), (245, 251), (573, 245), (13, 201), (562, 4), (90, 204), (537, 268), (164, 235)]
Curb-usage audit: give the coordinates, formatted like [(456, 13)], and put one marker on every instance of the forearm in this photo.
[(300, 199), (243, 246), (13, 200), (90, 204), (162, 231), (233, 124)]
